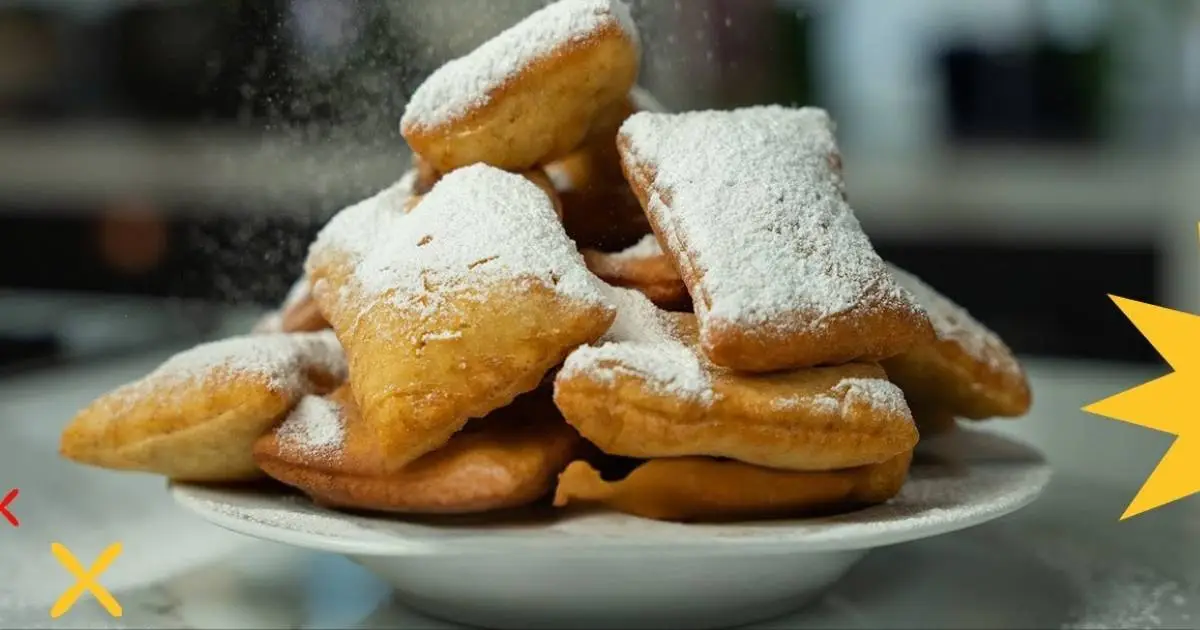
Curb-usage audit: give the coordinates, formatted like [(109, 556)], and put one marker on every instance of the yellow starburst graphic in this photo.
[(1164, 404)]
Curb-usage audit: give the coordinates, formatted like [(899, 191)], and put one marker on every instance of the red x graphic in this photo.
[(9, 498)]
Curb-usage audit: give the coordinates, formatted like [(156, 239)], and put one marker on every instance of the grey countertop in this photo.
[(1064, 562)]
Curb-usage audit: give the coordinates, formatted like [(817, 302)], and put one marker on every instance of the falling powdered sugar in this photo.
[(313, 428), (756, 200), (642, 342), (953, 323), (468, 83), (479, 225)]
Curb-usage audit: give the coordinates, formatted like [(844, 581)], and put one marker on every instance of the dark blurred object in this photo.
[(1046, 93), (763, 53), (23, 351), (140, 253), (199, 59), (30, 60), (1043, 299)]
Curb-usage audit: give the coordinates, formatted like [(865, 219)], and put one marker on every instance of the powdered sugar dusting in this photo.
[(479, 225), (468, 83), (283, 360), (315, 427), (642, 342), (874, 392), (648, 247), (953, 323), (757, 201)]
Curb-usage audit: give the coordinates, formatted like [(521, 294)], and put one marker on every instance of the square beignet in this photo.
[(751, 206), (452, 310), (196, 417)]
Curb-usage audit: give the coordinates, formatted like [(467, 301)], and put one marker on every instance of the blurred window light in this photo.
[(1075, 24)]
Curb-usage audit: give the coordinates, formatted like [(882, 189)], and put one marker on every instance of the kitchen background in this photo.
[(164, 163)]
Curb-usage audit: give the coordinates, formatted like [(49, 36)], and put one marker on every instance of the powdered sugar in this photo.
[(877, 393), (478, 226), (283, 360), (953, 323), (648, 247), (756, 200), (315, 427), (469, 82), (643, 342), (874, 392)]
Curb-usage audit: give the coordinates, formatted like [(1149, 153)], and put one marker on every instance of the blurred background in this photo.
[(164, 163)]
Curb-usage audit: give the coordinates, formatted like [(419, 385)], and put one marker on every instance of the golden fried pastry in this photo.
[(966, 372), (691, 489), (646, 391), (529, 95), (452, 310), (644, 267), (424, 176), (196, 417), (751, 207), (599, 210), (298, 313), (507, 459), (541, 180), (425, 179)]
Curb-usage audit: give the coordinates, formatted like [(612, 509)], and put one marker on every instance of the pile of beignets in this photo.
[(576, 294)]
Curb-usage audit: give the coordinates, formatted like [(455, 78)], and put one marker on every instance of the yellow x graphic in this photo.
[(86, 580)]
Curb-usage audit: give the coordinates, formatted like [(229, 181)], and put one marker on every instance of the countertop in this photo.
[(1064, 562)]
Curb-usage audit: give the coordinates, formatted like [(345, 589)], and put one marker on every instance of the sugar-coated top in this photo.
[(315, 427), (281, 361), (281, 358), (755, 196), (643, 341), (878, 393), (953, 323), (468, 82), (477, 225)]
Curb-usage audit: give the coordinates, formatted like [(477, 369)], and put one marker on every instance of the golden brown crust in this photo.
[(804, 420), (426, 176), (505, 460), (873, 330), (197, 429), (654, 276), (416, 391), (303, 316), (942, 378), (697, 489), (540, 114)]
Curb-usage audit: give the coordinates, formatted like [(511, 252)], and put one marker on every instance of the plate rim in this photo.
[(191, 497)]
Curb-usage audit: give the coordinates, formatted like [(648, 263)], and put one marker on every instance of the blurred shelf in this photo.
[(1030, 191)]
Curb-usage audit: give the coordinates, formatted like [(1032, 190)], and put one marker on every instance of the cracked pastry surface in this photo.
[(450, 311)]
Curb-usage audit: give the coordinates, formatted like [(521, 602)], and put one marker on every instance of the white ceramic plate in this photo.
[(610, 570)]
